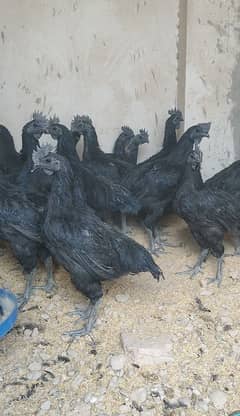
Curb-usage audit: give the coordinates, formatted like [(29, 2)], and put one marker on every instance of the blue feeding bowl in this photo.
[(8, 311)]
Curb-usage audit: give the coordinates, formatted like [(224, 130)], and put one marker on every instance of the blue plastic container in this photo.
[(8, 302)]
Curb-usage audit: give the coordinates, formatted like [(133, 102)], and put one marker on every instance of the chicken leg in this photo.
[(89, 315), (197, 267), (50, 282), (219, 275), (24, 298)]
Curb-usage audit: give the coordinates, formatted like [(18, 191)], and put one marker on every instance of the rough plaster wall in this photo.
[(112, 59), (213, 77)]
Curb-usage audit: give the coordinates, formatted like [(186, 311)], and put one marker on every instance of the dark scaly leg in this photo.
[(50, 282), (91, 288), (194, 270), (23, 299), (219, 275), (90, 317)]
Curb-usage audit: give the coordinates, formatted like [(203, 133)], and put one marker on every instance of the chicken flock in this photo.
[(55, 207)]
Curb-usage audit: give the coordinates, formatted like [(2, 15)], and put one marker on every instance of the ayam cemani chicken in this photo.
[(209, 214), (19, 164), (127, 144), (227, 179), (101, 193), (172, 124), (155, 189), (20, 226), (20, 216), (101, 163), (90, 250), (12, 162)]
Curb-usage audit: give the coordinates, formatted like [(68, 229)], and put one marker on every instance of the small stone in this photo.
[(46, 405), (45, 316), (148, 350), (90, 398), (117, 362), (219, 399), (35, 366), (122, 298), (27, 333), (139, 396)]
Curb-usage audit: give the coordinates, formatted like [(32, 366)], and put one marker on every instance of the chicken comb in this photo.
[(78, 120), (40, 117), (172, 111), (53, 120), (127, 131), (144, 133), (175, 112), (42, 152)]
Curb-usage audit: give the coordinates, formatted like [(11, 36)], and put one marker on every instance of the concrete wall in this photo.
[(114, 60), (212, 90)]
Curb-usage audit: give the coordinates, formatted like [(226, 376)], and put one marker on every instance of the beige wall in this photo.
[(112, 59), (213, 77), (117, 61)]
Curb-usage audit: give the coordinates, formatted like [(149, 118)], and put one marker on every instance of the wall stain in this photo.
[(219, 28), (3, 36), (219, 46), (38, 100)]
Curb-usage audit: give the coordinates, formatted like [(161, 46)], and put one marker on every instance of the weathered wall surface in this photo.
[(213, 77), (114, 60), (117, 61)]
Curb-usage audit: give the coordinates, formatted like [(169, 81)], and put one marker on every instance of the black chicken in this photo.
[(12, 162), (169, 141), (99, 162), (10, 159), (209, 215), (226, 180), (127, 144), (89, 249), (101, 193), (156, 186), (20, 225)]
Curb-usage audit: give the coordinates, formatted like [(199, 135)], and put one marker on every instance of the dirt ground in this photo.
[(42, 373)]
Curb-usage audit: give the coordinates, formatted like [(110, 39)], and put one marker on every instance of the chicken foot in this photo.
[(50, 282), (90, 316), (197, 267), (154, 246), (219, 275)]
